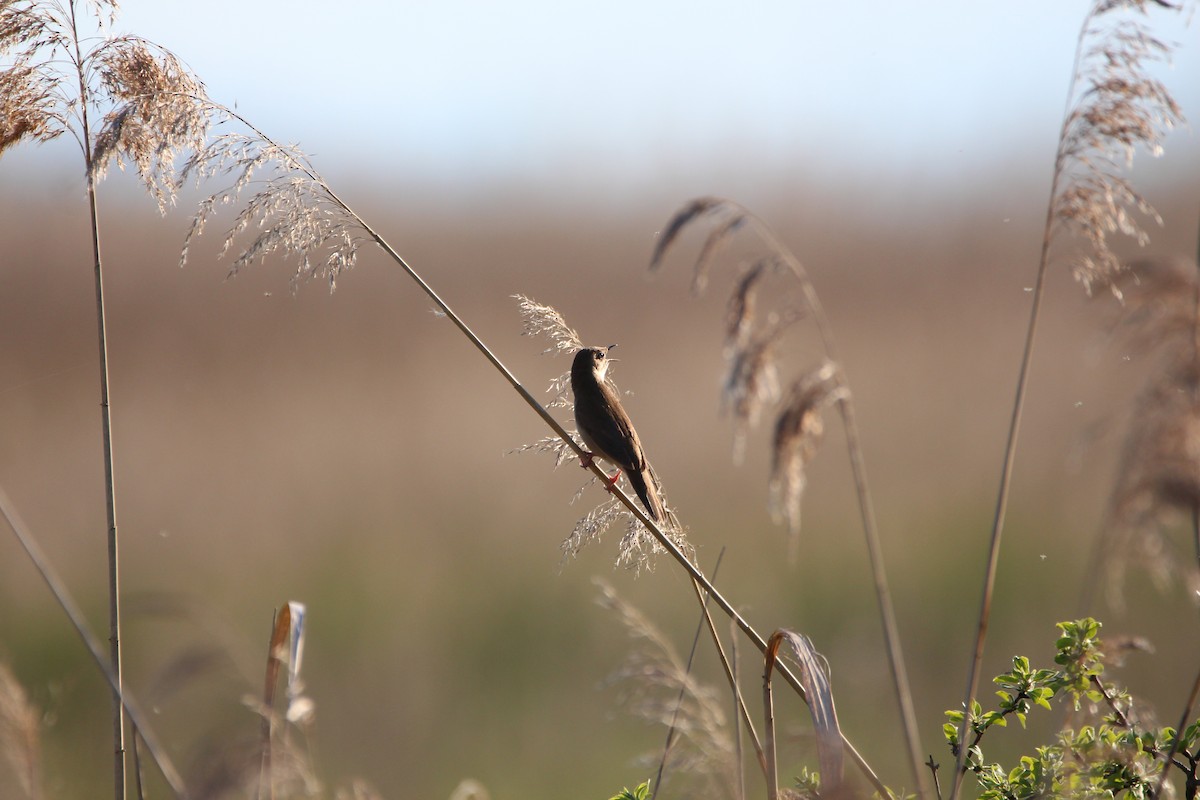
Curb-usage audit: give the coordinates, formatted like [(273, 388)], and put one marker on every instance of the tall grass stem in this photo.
[(114, 581)]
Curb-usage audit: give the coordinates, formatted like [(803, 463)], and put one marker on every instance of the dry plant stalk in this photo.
[(1113, 107), (813, 671), (56, 80)]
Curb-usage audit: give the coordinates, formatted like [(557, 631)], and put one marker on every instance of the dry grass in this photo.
[(294, 213), (1117, 109), (1158, 474), (20, 737), (657, 686)]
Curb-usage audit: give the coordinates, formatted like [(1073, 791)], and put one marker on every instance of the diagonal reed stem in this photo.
[(651, 526), (95, 649)]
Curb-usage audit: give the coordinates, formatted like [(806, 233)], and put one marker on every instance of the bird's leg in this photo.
[(586, 461), (609, 483)]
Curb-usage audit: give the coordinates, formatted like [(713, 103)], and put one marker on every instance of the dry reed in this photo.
[(1158, 473), (1113, 108), (20, 736), (657, 686)]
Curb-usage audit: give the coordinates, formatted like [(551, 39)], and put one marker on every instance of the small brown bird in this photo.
[(607, 430)]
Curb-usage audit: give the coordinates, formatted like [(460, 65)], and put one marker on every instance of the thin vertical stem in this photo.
[(1014, 429), (114, 583), (1195, 387)]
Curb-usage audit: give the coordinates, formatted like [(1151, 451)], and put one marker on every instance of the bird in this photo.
[(606, 429)]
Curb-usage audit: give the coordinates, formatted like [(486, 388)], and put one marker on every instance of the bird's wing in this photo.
[(618, 439)]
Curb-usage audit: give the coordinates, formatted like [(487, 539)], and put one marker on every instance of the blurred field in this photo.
[(349, 451)]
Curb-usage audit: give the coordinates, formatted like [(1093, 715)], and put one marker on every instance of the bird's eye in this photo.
[(600, 354)]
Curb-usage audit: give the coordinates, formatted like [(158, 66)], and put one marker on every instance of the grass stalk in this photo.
[(739, 706), (1014, 427), (114, 584), (731, 676)]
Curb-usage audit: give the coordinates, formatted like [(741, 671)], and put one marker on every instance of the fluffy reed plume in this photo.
[(156, 108), (159, 111), (32, 37), (798, 431), (1116, 107), (228, 767), (769, 294), (1158, 475), (160, 121), (636, 545), (19, 742), (293, 210), (657, 687), (543, 320)]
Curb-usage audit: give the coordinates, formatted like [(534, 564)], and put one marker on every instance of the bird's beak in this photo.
[(610, 347)]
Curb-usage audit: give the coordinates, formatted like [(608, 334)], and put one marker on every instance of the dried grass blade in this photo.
[(713, 245), (287, 643), (819, 697), (683, 217)]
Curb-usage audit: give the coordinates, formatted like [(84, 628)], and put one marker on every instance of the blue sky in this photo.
[(462, 91)]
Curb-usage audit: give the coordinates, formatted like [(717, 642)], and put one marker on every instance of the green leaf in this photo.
[(642, 792)]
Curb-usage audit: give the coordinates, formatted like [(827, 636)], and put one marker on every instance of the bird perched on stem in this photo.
[(607, 430)]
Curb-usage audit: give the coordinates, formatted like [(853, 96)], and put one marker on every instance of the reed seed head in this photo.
[(1158, 474), (1118, 107)]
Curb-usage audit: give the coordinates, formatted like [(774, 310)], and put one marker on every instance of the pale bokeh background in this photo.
[(349, 450)]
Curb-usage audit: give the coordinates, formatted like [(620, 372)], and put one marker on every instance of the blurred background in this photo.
[(351, 451)]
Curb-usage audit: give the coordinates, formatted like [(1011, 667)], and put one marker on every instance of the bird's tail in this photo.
[(645, 483)]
